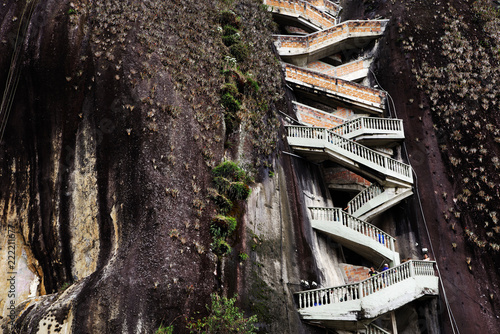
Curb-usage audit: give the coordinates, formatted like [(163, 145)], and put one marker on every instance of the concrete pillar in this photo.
[(394, 324)]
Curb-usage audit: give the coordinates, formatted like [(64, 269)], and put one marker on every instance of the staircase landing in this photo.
[(341, 307)]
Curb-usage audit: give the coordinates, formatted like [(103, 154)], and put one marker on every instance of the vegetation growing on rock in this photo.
[(462, 87)]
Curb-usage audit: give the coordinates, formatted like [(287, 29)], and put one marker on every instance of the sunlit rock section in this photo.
[(20, 272), (84, 226)]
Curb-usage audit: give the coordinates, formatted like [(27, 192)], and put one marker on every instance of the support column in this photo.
[(394, 324)]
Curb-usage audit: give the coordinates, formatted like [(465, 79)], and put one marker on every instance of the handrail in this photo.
[(351, 90), (369, 123), (299, 107), (356, 224), (308, 10), (374, 329), (329, 5), (369, 286), (346, 29), (364, 197), (361, 152)]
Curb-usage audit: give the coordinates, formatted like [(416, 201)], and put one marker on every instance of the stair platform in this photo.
[(344, 306)]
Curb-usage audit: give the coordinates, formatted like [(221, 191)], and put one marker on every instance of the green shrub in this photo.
[(232, 122), (223, 203), (230, 88), (240, 51), (239, 191), (228, 17), (64, 286), (235, 190), (231, 171), (230, 103), (253, 84), (229, 30), (224, 317), (231, 39), (165, 330), (231, 35), (243, 257), (220, 246), (222, 184), (223, 226)]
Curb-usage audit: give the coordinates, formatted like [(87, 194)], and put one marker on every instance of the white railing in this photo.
[(332, 35), (328, 5), (374, 329), (356, 224), (369, 123), (304, 8), (302, 108), (324, 137), (364, 197), (369, 286), (371, 97)]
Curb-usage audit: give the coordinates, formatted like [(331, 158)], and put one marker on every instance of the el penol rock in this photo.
[(250, 166)]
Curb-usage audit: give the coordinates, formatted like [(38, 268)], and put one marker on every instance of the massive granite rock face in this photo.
[(461, 229), (114, 127)]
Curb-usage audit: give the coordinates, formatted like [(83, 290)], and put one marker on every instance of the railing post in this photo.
[(412, 269), (360, 290)]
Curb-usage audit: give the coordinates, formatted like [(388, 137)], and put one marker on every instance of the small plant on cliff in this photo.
[(240, 51), (229, 18), (220, 246), (243, 257), (165, 330), (230, 103), (64, 287), (224, 204), (224, 317), (230, 182), (231, 170), (231, 35), (222, 226)]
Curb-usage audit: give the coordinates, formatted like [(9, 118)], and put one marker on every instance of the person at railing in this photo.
[(381, 239), (385, 277), (426, 257), (372, 272)]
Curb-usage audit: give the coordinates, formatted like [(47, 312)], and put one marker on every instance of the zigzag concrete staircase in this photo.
[(319, 144), (368, 299), (343, 141), (372, 130), (374, 329), (374, 200), (354, 70), (300, 50), (365, 98), (355, 234), (306, 13)]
